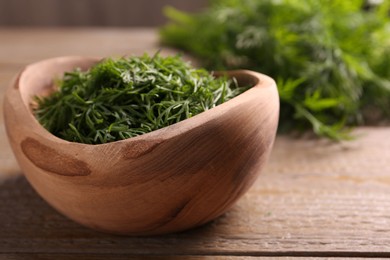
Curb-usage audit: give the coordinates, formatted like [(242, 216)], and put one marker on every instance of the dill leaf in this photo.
[(119, 99), (331, 58)]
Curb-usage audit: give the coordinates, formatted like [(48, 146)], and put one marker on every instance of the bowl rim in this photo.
[(256, 79)]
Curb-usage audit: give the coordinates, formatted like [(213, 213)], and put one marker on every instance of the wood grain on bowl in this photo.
[(48, 159), (172, 179)]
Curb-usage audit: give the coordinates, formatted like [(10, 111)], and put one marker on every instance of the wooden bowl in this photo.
[(172, 179)]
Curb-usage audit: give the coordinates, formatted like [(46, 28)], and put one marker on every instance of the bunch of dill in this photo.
[(331, 59), (119, 99)]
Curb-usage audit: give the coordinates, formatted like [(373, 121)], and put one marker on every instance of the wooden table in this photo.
[(315, 198)]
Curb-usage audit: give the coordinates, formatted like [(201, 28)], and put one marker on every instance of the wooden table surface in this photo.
[(315, 198)]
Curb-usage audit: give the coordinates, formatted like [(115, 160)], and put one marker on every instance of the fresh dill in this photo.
[(119, 99), (331, 59)]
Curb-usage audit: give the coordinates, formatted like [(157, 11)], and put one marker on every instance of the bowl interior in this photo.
[(39, 79)]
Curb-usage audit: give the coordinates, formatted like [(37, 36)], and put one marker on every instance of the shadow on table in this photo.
[(29, 224)]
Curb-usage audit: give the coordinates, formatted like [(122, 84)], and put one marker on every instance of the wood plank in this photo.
[(90, 12), (315, 198), (171, 257), (120, 257), (23, 46)]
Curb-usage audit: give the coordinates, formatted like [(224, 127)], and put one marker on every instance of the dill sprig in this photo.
[(331, 58), (119, 99)]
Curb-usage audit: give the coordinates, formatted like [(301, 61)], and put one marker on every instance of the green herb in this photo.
[(331, 58), (119, 99)]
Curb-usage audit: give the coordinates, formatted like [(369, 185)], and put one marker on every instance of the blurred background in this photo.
[(330, 58), (118, 13)]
